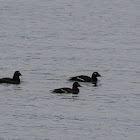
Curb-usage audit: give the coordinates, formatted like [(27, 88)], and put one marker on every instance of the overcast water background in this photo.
[(49, 41)]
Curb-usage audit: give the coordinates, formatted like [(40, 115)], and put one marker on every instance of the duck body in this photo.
[(14, 80), (83, 78), (74, 89)]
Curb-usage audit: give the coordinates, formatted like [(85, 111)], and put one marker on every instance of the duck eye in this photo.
[(18, 72)]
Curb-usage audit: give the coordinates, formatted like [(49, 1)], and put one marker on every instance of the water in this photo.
[(49, 41)]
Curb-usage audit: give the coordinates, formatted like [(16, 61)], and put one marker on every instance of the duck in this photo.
[(14, 80), (83, 78), (74, 89)]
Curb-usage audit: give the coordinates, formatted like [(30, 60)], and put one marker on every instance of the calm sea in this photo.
[(49, 41)]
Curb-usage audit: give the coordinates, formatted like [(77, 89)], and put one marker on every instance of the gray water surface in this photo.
[(49, 41)]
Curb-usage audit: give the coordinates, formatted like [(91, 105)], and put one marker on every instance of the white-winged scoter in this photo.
[(14, 80), (84, 78), (73, 90)]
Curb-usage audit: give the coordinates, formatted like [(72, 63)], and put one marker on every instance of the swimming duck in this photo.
[(14, 80), (73, 90), (84, 78)]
